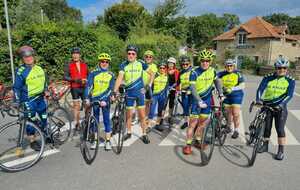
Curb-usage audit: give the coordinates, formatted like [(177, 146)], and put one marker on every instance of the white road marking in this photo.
[(242, 129), (29, 158)]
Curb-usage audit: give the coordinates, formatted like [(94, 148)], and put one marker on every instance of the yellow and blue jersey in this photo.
[(275, 90), (231, 80), (184, 78), (203, 81), (133, 74), (30, 82), (146, 75), (160, 83), (100, 84)]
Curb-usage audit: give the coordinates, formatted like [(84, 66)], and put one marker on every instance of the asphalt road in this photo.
[(161, 164)]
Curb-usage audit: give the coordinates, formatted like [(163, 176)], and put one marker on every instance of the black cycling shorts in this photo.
[(77, 93)]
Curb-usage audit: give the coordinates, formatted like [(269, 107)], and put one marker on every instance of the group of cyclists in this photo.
[(151, 87)]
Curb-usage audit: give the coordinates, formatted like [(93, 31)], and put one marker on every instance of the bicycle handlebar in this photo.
[(255, 104)]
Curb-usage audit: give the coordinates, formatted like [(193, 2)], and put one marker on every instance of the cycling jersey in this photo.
[(72, 73), (100, 84), (203, 80), (146, 76), (276, 90), (233, 81), (30, 83), (185, 78), (133, 74), (160, 83)]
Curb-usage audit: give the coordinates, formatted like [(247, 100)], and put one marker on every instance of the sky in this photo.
[(245, 9)]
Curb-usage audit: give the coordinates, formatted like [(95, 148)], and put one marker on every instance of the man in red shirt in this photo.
[(76, 72)]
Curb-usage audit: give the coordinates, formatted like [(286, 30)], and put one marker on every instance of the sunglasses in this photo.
[(185, 64), (281, 68), (229, 65), (104, 61), (205, 60), (148, 57), (131, 53), (162, 67)]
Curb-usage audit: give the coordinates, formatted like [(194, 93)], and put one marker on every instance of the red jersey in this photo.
[(73, 73)]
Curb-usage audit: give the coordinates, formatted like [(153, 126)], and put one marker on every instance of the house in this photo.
[(258, 40)]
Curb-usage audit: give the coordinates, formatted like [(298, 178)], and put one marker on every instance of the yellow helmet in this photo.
[(206, 55), (104, 56)]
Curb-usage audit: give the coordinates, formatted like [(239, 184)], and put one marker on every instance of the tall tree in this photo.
[(122, 16), (11, 4), (231, 20)]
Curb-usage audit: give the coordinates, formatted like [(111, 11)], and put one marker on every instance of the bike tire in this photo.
[(16, 160), (120, 128), (60, 124), (208, 139), (86, 140), (258, 142), (221, 133), (7, 100)]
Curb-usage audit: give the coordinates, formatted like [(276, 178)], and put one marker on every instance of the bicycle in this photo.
[(90, 135), (119, 120), (6, 99), (177, 101), (257, 129), (58, 90), (14, 152)]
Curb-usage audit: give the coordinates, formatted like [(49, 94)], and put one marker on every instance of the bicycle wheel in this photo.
[(119, 122), (258, 142), (208, 142), (60, 124), (90, 138), (7, 100), (15, 152), (221, 132)]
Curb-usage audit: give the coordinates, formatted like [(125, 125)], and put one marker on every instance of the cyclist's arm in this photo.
[(17, 86), (118, 81), (261, 89), (218, 86), (111, 85), (290, 93), (194, 93), (89, 86)]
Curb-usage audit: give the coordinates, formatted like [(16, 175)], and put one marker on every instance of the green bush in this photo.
[(162, 45)]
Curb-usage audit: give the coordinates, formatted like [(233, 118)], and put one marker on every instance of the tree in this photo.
[(277, 18), (294, 25), (231, 20), (202, 29), (122, 16), (11, 4)]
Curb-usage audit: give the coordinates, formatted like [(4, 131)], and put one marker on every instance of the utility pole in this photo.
[(9, 41), (42, 16)]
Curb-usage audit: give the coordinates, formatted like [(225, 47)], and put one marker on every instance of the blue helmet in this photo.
[(281, 62), (230, 62)]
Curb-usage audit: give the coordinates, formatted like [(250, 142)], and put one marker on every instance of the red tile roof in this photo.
[(256, 28)]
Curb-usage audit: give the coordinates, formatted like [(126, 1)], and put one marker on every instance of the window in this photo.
[(242, 38), (256, 58)]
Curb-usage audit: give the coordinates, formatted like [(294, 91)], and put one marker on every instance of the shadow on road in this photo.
[(234, 155), (194, 159)]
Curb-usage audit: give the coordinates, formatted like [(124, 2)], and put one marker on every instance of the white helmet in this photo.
[(230, 62), (172, 60)]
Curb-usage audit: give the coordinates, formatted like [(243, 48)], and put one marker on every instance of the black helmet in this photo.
[(75, 50), (184, 59), (25, 51), (132, 48)]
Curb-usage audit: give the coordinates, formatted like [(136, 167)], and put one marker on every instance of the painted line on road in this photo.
[(295, 93), (29, 158)]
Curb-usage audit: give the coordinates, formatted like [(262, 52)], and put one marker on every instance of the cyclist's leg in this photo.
[(229, 114), (75, 92), (171, 102), (161, 106), (236, 108), (140, 101), (31, 112), (280, 120), (267, 132), (153, 107), (96, 111), (185, 98), (106, 121), (130, 100), (148, 101), (42, 111)]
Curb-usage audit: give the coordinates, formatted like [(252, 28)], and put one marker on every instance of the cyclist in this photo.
[(149, 59), (173, 74), (233, 85), (276, 90), (202, 80), (99, 88), (186, 95), (29, 88), (76, 73), (131, 71), (159, 98)]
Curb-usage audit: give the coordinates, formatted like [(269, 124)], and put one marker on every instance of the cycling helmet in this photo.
[(206, 55), (75, 50), (183, 59), (26, 51), (132, 48), (281, 62), (172, 60), (230, 62), (104, 56), (149, 52)]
